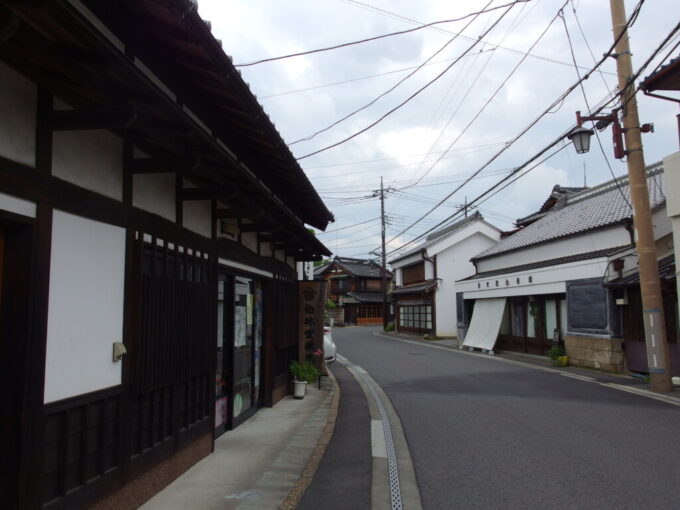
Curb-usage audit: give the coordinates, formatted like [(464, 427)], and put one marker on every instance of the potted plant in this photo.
[(558, 355), (303, 373)]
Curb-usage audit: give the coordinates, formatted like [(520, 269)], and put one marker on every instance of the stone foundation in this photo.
[(601, 353)]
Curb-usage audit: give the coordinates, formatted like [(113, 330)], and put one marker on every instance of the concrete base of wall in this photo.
[(141, 489), (601, 353)]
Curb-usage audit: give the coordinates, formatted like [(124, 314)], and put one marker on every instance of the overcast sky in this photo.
[(457, 124)]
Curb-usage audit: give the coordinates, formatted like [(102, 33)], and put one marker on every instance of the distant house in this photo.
[(355, 288), (425, 292), (569, 274)]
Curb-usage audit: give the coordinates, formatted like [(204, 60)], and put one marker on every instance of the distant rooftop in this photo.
[(593, 208)]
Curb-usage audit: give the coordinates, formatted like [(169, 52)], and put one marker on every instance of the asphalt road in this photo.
[(488, 434)]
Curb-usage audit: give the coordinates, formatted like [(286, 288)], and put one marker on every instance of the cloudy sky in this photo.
[(484, 79)]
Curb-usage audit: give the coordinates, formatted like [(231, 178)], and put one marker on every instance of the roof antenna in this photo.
[(584, 175)]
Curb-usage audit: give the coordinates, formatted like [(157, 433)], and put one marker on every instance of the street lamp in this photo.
[(580, 136)]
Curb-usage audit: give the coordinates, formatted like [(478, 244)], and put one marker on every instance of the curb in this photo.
[(295, 495)]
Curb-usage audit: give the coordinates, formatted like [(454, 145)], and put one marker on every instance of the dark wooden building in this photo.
[(355, 287), (147, 205)]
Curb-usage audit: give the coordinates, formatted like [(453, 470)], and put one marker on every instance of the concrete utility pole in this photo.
[(383, 267), (650, 288)]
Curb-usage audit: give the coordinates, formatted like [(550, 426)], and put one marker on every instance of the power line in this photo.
[(495, 93), (535, 121), (412, 96), (585, 99), (392, 88), (348, 226), (498, 46), (377, 37)]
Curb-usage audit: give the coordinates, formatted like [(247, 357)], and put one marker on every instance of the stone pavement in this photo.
[(264, 464)]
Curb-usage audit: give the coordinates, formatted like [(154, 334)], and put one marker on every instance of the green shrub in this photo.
[(330, 305), (303, 371), (556, 351), (390, 327)]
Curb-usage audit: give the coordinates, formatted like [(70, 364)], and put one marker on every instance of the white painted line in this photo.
[(579, 377), (378, 447), (643, 393)]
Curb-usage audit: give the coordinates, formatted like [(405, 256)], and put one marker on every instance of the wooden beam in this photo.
[(255, 227), (213, 193), (9, 23), (92, 118), (164, 166)]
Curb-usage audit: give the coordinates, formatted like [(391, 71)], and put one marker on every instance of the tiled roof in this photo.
[(414, 289), (366, 297), (441, 233), (667, 77), (591, 209), (355, 267)]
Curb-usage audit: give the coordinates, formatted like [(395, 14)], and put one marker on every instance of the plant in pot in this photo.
[(302, 373), (558, 355)]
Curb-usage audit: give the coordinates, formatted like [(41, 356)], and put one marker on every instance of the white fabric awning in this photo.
[(485, 324)]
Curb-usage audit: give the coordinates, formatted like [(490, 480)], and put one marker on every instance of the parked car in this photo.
[(329, 350)]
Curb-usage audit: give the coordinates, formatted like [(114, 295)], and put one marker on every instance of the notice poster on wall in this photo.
[(220, 411), (258, 316), (240, 326)]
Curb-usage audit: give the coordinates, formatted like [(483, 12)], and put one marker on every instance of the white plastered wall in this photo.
[(155, 193), (90, 159), (197, 216), (586, 242), (18, 97), (85, 316), (671, 165), (453, 264), (249, 240)]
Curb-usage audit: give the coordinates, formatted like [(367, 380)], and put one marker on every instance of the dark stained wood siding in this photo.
[(414, 273)]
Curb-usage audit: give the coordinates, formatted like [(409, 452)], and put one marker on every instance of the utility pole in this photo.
[(650, 288), (383, 267)]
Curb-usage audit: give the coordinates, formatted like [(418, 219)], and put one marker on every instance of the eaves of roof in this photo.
[(415, 289), (177, 45)]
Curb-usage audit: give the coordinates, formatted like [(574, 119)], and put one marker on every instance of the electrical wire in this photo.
[(495, 93), (585, 99), (392, 88), (416, 22), (378, 37), (535, 121), (412, 96), (348, 226)]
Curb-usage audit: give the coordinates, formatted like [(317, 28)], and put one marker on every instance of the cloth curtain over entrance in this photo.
[(485, 324)]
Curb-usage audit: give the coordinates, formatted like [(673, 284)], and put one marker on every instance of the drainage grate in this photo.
[(395, 488)]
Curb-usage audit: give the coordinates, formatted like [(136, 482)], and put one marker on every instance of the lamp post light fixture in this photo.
[(580, 136)]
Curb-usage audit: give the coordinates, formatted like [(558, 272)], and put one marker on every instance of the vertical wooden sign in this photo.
[(311, 318)]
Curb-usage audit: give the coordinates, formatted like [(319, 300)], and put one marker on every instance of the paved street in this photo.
[(484, 433)]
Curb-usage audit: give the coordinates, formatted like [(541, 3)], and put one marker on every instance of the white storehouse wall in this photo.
[(453, 263), (85, 317), (18, 99)]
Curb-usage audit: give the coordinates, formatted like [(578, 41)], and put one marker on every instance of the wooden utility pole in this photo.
[(383, 266), (650, 288)]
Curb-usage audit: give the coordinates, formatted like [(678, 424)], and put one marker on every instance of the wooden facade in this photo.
[(136, 171)]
